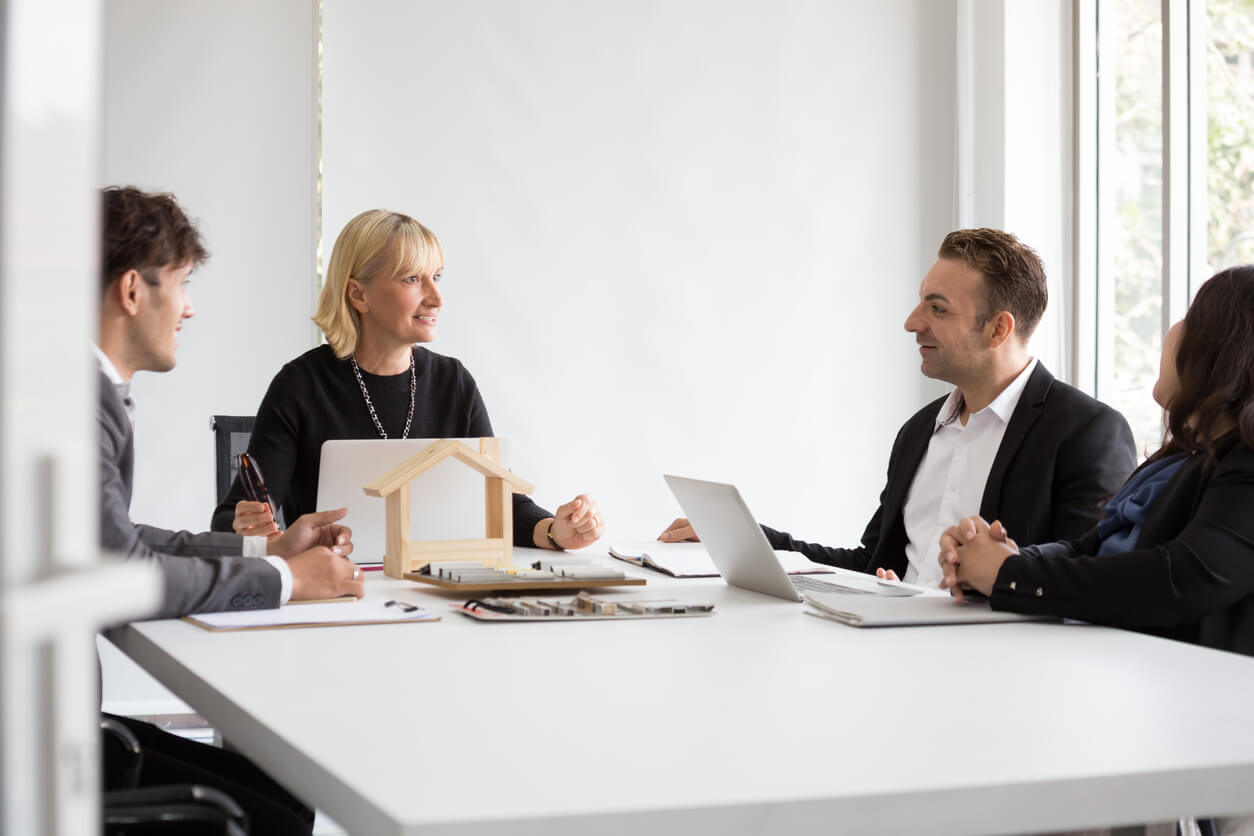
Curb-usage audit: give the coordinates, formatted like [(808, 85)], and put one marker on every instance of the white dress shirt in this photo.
[(949, 484), (253, 546)]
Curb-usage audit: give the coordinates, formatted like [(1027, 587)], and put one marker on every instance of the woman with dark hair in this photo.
[(1174, 553)]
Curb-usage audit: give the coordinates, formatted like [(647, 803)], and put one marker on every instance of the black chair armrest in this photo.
[(175, 808), (117, 736)]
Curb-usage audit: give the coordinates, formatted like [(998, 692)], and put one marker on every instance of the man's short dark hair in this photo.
[(145, 232), (1014, 278)]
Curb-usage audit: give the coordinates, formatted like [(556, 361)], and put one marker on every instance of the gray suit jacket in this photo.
[(201, 572)]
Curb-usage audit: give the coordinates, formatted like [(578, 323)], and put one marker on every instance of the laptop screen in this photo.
[(446, 502)]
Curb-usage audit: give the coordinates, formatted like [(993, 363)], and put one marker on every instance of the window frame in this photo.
[(1184, 193)]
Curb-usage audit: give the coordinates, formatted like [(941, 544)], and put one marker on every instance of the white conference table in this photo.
[(758, 719)]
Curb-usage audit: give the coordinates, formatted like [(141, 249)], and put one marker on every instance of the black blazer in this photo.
[(1063, 454), (1190, 577)]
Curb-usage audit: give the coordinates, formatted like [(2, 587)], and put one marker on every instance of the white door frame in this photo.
[(55, 588)]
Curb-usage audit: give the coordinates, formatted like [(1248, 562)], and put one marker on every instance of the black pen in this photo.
[(255, 484)]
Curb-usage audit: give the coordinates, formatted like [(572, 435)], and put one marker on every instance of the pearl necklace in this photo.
[(413, 384)]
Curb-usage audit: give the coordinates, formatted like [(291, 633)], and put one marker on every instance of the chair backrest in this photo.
[(231, 435)]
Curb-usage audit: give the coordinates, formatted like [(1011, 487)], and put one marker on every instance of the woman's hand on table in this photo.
[(678, 531), (576, 524)]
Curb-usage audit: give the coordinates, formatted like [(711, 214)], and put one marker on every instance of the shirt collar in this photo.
[(106, 365), (949, 410), (1003, 406)]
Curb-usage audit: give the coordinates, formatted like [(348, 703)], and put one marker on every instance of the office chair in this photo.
[(189, 809), (231, 435)]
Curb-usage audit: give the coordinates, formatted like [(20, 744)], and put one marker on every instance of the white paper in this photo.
[(366, 610)]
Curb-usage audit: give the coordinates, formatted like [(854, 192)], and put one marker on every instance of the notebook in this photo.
[(446, 502), (876, 611), (691, 560), (744, 556)]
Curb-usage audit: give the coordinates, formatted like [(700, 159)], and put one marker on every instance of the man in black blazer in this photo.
[(1011, 440), (150, 247)]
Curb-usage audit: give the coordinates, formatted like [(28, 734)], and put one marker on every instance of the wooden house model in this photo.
[(495, 549)]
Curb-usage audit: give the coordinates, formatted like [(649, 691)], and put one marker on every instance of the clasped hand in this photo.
[(972, 553)]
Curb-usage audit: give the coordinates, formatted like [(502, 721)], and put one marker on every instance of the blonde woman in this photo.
[(372, 380)]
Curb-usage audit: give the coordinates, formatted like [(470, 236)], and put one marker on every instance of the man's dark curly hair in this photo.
[(145, 232)]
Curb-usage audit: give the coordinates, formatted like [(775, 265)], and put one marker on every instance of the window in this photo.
[(1165, 120), (1229, 211)]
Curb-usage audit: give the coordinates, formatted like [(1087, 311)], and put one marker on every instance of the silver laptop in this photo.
[(742, 553), (446, 502)]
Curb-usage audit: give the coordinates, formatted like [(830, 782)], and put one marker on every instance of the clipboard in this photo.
[(334, 613)]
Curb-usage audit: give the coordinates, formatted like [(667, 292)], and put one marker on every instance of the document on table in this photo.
[(690, 560), (883, 611), (339, 613)]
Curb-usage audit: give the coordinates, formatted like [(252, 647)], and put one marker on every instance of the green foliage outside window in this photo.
[(1133, 170)]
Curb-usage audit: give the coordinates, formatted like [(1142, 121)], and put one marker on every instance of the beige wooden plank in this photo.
[(396, 559), (499, 508), (491, 552), (404, 472)]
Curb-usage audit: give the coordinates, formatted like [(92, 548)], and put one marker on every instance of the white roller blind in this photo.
[(681, 236)]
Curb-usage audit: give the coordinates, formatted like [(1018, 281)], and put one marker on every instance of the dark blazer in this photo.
[(201, 572), (1062, 455), (1190, 576)]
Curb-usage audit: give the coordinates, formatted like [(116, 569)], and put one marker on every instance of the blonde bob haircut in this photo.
[(376, 244)]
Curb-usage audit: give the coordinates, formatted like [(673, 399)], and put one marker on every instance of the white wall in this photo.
[(215, 101), (681, 237)]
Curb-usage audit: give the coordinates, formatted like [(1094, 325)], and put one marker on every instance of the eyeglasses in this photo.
[(254, 483)]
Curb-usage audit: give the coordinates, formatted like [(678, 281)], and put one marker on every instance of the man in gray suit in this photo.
[(150, 248)]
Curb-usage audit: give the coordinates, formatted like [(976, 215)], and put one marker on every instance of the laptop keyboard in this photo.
[(805, 583)]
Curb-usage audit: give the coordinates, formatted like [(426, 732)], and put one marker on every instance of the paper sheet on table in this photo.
[(341, 613), (690, 560)]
